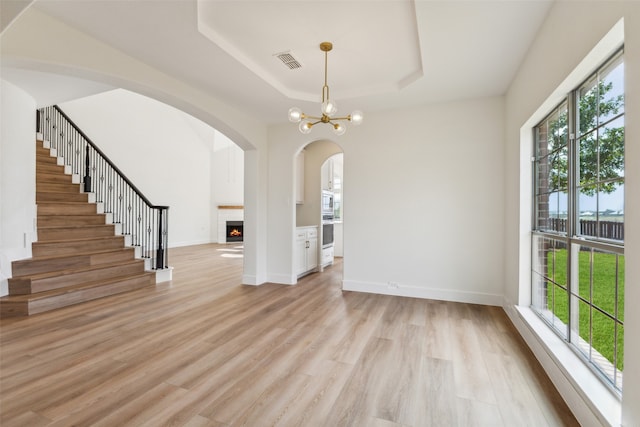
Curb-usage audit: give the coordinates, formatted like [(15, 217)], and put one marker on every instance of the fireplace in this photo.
[(235, 231)]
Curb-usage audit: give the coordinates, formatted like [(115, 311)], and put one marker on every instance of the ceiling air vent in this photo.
[(288, 60)]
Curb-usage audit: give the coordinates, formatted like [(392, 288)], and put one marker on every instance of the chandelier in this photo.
[(328, 107)]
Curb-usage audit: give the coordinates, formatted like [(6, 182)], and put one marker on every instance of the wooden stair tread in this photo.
[(65, 202), (73, 288), (57, 261), (85, 226), (70, 271), (95, 252), (57, 192), (81, 239)]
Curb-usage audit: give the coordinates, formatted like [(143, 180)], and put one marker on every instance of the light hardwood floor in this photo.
[(207, 351)]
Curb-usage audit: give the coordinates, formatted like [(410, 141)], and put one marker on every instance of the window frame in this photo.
[(571, 239)]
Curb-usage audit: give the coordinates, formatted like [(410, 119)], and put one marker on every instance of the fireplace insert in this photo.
[(235, 231)]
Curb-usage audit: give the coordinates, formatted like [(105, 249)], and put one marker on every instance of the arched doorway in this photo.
[(315, 178)]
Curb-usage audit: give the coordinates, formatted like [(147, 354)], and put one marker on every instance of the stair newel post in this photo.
[(160, 249), (87, 177)]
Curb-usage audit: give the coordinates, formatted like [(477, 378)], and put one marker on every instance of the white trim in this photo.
[(189, 243), (424, 293), (164, 275), (590, 400), (250, 279), (282, 279)]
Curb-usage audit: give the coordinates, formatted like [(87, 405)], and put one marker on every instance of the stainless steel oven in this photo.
[(327, 234), (327, 203)]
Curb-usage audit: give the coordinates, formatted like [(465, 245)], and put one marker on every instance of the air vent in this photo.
[(288, 60)]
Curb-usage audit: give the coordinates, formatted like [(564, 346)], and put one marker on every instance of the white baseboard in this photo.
[(189, 243), (282, 279), (591, 402), (424, 293), (250, 279)]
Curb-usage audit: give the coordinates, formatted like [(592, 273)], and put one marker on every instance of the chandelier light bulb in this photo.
[(357, 117), (305, 126), (329, 107), (339, 129), (295, 114)]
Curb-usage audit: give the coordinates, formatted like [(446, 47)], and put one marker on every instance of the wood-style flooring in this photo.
[(205, 350)]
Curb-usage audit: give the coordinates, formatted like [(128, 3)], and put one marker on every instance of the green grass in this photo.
[(602, 294)]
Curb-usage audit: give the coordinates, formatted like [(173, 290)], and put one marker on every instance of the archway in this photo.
[(206, 110), (315, 178)]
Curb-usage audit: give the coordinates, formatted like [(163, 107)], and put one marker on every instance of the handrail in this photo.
[(146, 223)]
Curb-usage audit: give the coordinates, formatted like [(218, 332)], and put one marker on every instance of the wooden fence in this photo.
[(604, 229)]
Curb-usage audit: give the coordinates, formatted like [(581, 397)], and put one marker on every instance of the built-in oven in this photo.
[(327, 234), (327, 219), (327, 203)]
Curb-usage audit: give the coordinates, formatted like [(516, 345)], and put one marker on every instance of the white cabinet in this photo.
[(306, 249), (326, 175), (327, 256), (299, 178)]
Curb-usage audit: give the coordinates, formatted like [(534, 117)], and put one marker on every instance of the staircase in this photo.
[(78, 256)]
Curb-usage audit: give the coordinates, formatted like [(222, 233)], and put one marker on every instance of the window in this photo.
[(578, 260)]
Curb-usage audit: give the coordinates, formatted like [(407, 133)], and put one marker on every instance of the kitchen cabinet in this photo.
[(299, 166), (327, 175), (327, 256), (306, 250)]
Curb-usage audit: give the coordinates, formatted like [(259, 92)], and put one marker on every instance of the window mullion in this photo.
[(573, 171)]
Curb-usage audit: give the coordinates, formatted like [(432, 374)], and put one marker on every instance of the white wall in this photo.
[(188, 157), (163, 151), (422, 200), (17, 178), (561, 45)]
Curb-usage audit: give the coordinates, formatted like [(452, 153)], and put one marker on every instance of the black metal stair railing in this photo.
[(147, 224)]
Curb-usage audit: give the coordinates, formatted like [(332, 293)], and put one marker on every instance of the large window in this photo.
[(578, 220)]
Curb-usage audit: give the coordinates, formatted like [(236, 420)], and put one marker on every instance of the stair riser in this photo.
[(48, 168), (43, 249), (66, 209), (72, 233), (45, 159), (71, 220), (71, 298), (13, 309), (43, 177), (21, 286), (75, 297), (40, 148), (37, 266), (62, 197), (51, 187)]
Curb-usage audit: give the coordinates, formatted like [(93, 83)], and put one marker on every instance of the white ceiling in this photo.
[(387, 53)]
